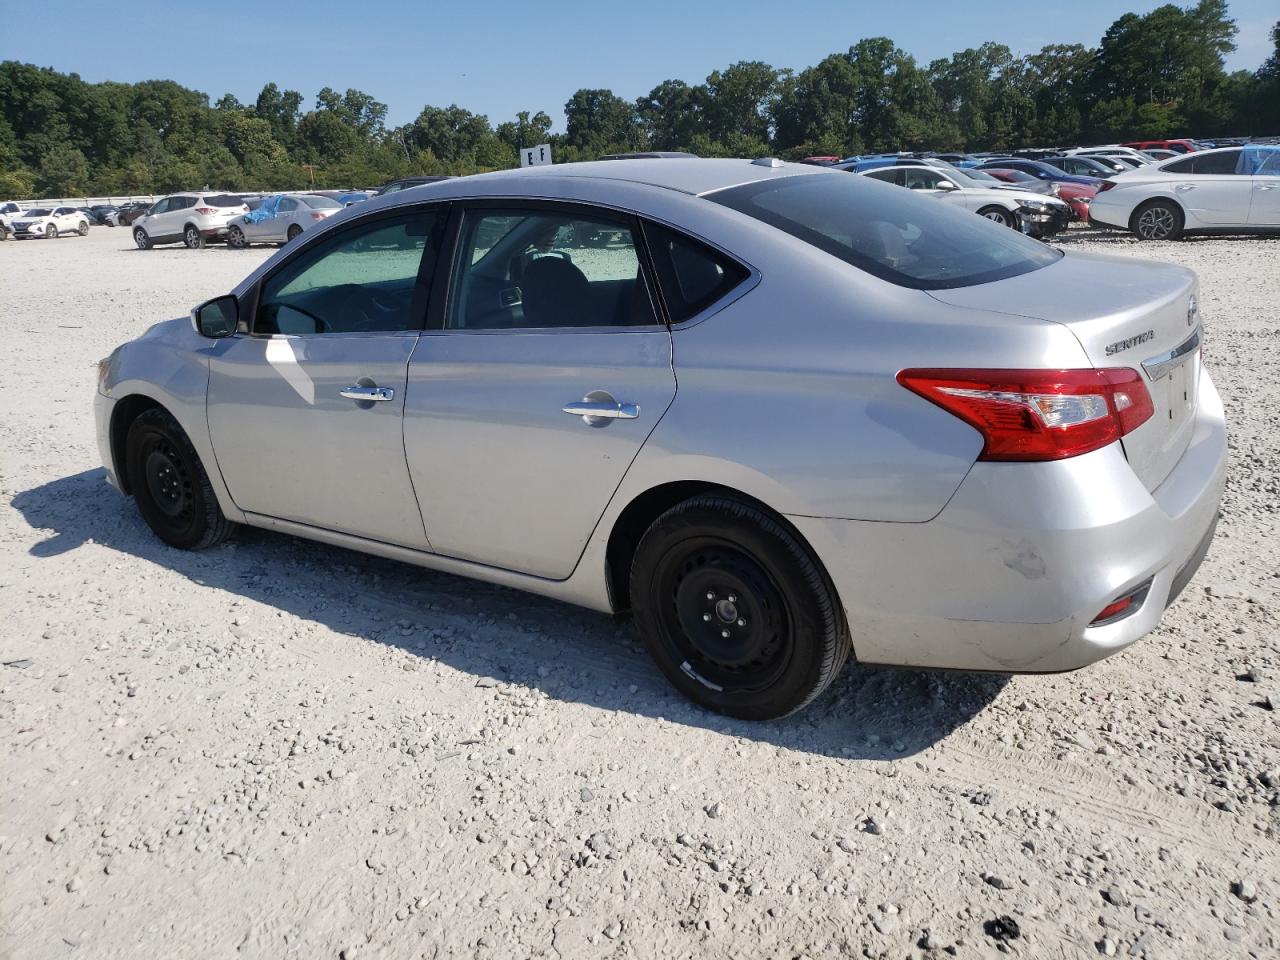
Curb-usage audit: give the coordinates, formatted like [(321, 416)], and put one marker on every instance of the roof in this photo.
[(692, 176)]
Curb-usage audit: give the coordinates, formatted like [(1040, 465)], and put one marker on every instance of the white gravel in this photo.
[(280, 749)]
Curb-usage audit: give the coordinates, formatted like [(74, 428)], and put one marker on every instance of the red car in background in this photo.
[(1177, 146), (1075, 195)]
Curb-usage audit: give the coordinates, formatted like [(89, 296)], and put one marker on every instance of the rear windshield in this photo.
[(320, 203), (889, 232), (224, 200)]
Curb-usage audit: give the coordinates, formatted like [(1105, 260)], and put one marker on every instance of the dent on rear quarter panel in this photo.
[(789, 394)]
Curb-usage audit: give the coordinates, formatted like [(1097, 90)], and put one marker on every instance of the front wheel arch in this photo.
[(126, 410)]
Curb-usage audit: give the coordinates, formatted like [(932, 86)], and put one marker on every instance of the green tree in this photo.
[(599, 121)]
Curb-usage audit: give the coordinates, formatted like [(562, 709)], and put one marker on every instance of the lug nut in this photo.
[(732, 598), (706, 617), (710, 595), (741, 622), (725, 634)]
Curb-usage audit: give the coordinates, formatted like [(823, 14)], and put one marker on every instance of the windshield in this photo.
[(36, 212), (320, 203), (888, 232)]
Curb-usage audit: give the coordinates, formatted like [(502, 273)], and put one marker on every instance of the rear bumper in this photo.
[(1010, 574)]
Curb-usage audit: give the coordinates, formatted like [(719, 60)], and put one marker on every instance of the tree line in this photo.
[(1151, 76)]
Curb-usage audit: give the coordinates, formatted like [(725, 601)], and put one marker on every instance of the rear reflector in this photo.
[(1121, 607), (1038, 414)]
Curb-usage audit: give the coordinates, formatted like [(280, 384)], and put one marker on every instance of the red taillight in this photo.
[(205, 210), (318, 216), (1106, 185), (1038, 414)]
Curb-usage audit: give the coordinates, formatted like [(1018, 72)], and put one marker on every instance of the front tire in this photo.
[(170, 485), (192, 238), (140, 239), (83, 229), (236, 239), (51, 233), (1158, 220), (735, 611), (999, 215)]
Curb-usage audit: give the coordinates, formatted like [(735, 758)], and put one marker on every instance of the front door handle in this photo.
[(1265, 186), (357, 392), (1185, 186)]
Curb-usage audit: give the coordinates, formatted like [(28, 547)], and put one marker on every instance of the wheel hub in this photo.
[(166, 482), (731, 617)]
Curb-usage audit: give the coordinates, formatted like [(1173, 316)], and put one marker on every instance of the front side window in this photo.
[(542, 268), (359, 280), (287, 204), (915, 178), (895, 235), (887, 174)]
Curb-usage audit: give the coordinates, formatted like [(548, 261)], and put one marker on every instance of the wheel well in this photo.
[(639, 515), (122, 416), (1133, 217)]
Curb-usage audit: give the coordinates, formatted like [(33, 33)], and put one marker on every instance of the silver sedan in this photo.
[(784, 415), (280, 218)]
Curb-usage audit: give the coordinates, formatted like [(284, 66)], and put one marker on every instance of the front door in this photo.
[(549, 370), (305, 410), (1263, 163)]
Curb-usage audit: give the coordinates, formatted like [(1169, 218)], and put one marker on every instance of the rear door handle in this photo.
[(589, 409), (1185, 186), (1264, 186), (357, 392)]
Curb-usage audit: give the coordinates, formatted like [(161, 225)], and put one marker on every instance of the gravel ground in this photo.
[(280, 749)]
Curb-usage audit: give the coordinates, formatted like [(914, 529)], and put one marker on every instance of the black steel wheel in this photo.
[(735, 611), (170, 485)]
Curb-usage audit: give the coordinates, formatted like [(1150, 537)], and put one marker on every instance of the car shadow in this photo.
[(497, 634)]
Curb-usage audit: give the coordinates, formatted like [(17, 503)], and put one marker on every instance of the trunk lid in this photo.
[(1125, 313)]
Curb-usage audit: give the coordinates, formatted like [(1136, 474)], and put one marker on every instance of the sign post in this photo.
[(538, 156)]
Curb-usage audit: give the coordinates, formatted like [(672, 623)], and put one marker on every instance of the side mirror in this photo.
[(946, 185), (217, 318)]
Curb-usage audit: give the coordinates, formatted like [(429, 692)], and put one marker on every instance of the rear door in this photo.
[(305, 410), (547, 369), (1215, 193)]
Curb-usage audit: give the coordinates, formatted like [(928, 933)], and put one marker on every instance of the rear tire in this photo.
[(140, 239), (734, 610), (999, 215), (293, 233), (192, 238), (170, 485), (1158, 220)]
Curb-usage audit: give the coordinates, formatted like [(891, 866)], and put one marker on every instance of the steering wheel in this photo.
[(365, 309)]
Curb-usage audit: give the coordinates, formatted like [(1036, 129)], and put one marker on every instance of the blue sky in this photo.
[(497, 57)]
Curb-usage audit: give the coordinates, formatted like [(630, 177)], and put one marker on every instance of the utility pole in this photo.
[(311, 169)]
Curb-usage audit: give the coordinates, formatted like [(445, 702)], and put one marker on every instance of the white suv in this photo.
[(192, 218), (46, 222)]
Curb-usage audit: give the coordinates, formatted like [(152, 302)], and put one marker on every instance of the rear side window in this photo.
[(1217, 163), (895, 235), (1180, 166), (691, 275)]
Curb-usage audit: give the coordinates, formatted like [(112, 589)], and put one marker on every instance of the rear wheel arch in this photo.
[(1177, 207), (640, 514)]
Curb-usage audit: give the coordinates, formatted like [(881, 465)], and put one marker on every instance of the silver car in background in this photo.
[(280, 218), (784, 415)]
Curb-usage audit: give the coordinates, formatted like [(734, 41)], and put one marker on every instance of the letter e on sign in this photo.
[(538, 156)]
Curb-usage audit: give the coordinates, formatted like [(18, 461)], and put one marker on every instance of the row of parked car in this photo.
[(1158, 189), (195, 218)]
